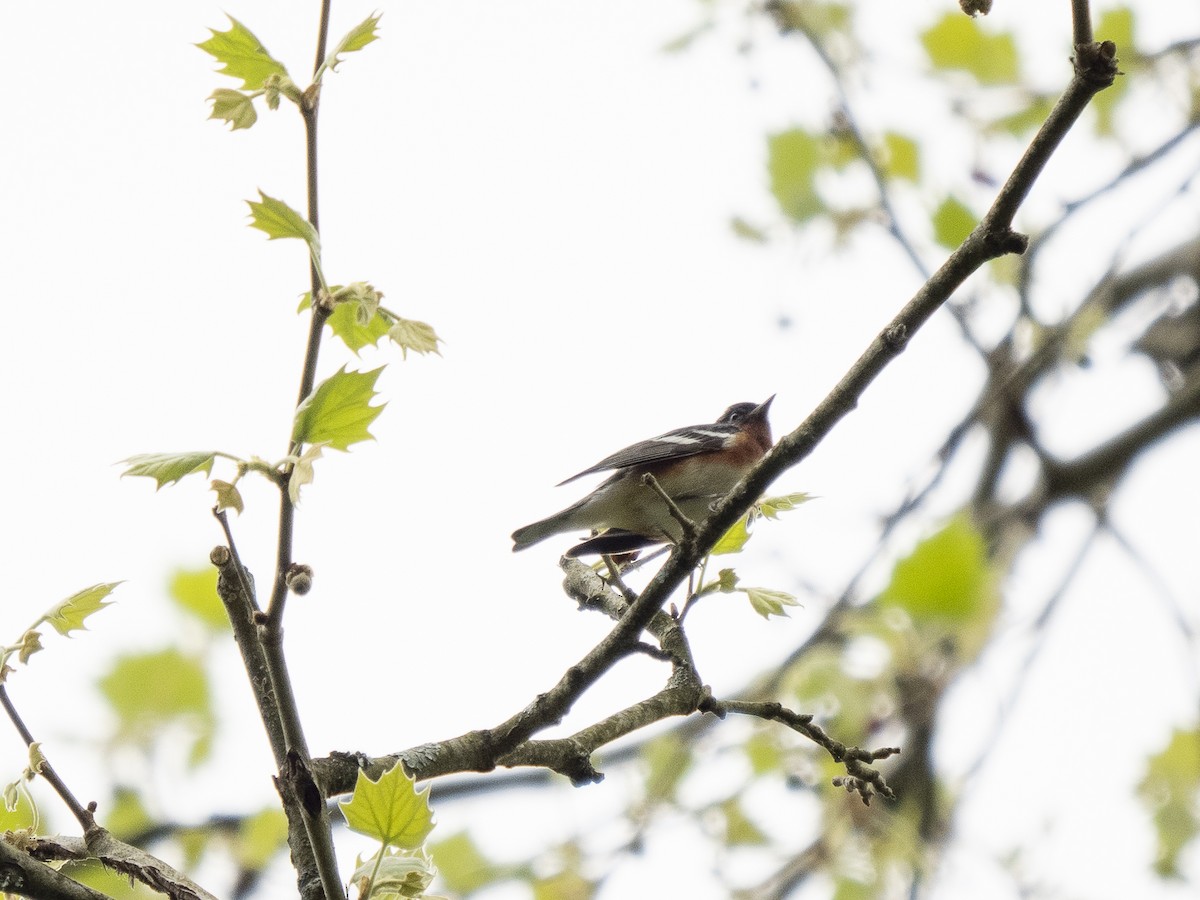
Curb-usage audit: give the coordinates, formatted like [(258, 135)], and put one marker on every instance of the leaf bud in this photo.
[(299, 578)]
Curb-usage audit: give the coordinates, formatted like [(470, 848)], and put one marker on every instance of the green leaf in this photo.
[(945, 578), (338, 412), (345, 323), (167, 468), (736, 537), (813, 17), (959, 42), (195, 591), (952, 222), (18, 811), (71, 614), (463, 866), (763, 752), (126, 814), (771, 507), (233, 107), (901, 157), (278, 220), (150, 691), (391, 810), (1030, 116), (413, 335), (768, 602), (242, 55), (1171, 791), (260, 838), (1115, 25), (667, 759), (228, 496), (393, 875), (747, 231), (792, 160), (733, 540), (358, 37), (739, 830)]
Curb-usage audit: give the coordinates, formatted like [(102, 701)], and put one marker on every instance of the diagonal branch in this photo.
[(1095, 68)]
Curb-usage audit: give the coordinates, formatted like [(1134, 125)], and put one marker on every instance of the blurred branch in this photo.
[(129, 861), (23, 876)]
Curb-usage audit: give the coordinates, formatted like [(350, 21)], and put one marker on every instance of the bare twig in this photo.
[(82, 814)]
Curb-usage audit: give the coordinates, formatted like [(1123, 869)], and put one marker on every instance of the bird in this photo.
[(695, 466)]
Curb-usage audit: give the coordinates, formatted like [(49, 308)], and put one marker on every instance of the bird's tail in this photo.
[(539, 531)]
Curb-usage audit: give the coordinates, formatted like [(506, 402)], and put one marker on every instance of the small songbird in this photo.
[(694, 466)]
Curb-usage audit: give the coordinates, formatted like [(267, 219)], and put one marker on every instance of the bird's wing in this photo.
[(673, 445)]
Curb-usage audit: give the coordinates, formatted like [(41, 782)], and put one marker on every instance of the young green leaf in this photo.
[(952, 222), (30, 643), (736, 537), (233, 107), (345, 322), (167, 468), (228, 496), (902, 156), (278, 220), (1169, 790), (945, 578), (771, 507), (768, 602), (960, 42), (150, 692), (302, 471), (393, 875), (793, 157), (358, 37), (413, 335), (195, 591), (338, 412), (71, 614), (242, 55), (391, 810)]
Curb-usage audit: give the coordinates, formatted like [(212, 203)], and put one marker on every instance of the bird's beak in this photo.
[(760, 411)]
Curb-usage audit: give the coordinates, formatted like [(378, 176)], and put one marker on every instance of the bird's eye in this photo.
[(733, 417)]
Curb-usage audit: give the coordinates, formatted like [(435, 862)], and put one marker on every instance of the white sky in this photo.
[(552, 193)]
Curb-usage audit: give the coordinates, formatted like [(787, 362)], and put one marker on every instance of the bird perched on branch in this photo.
[(694, 466)]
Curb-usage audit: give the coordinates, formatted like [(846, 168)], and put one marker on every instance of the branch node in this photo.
[(896, 337), (1097, 62)]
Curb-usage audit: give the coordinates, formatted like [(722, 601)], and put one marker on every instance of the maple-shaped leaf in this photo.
[(413, 335), (278, 220), (242, 55), (768, 602), (71, 614), (391, 810), (167, 468), (356, 38), (338, 412), (233, 107), (738, 534), (345, 323), (228, 496)]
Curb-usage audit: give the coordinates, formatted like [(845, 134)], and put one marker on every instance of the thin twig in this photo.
[(686, 525), (82, 814), (1081, 22)]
